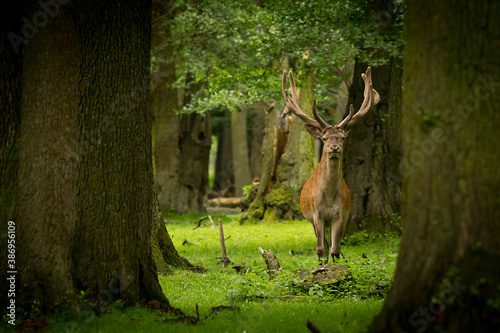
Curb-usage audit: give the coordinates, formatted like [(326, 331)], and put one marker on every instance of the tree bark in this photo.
[(287, 163), (447, 274), (112, 250), (241, 162), (195, 143), (373, 151), (10, 108), (297, 162), (224, 173), (166, 124), (48, 161), (164, 252), (273, 146), (257, 122)]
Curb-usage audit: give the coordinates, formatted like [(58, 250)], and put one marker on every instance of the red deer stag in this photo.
[(325, 199)]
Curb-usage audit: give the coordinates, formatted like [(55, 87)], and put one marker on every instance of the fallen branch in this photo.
[(225, 202), (273, 265), (219, 308), (225, 260), (202, 219)]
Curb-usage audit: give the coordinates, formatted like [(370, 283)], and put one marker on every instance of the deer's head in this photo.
[(333, 137)]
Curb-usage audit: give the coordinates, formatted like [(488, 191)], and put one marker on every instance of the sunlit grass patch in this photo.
[(250, 301)]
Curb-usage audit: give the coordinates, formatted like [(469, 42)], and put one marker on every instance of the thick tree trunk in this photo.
[(273, 145), (112, 251), (195, 143), (287, 163), (297, 162), (241, 162), (447, 274), (373, 152), (165, 101), (48, 161), (10, 106)]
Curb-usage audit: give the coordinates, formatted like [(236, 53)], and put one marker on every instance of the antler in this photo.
[(291, 105), (371, 98)]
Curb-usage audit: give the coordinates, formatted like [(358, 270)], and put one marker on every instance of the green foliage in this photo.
[(246, 190), (234, 50)]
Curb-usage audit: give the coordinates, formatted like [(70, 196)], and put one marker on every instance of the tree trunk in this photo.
[(297, 162), (287, 163), (273, 145), (258, 125), (241, 162), (374, 150), (295, 165), (373, 154), (48, 161), (10, 106), (112, 251), (224, 173), (195, 143), (165, 101), (164, 252), (447, 274)]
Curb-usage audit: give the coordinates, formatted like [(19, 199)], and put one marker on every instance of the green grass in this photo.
[(346, 309)]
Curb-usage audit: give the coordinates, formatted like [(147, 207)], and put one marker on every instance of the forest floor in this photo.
[(223, 300)]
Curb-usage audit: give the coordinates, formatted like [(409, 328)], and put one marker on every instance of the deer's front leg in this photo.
[(336, 235), (319, 228)]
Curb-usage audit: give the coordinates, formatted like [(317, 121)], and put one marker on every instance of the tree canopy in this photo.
[(235, 50)]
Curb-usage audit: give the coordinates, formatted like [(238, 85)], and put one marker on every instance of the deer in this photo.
[(325, 199)]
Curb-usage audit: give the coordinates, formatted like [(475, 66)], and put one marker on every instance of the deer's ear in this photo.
[(314, 131)]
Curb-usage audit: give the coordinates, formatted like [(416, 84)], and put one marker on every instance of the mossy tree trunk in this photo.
[(273, 145), (447, 273), (164, 253), (10, 108), (287, 163), (297, 162), (112, 249), (48, 161)]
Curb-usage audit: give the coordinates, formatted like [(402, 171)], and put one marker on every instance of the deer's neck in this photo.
[(331, 169)]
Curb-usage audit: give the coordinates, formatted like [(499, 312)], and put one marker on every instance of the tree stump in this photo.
[(273, 265)]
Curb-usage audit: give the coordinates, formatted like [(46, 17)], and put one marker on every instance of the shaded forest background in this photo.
[(216, 86)]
